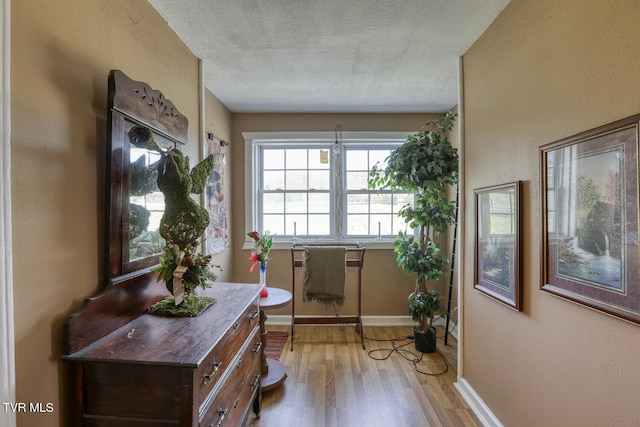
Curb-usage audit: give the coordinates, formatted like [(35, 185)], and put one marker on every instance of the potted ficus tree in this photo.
[(425, 165), (423, 307)]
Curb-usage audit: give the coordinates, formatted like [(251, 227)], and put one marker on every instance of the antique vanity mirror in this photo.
[(135, 203), (129, 367)]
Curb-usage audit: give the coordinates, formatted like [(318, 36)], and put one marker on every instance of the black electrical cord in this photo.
[(406, 354)]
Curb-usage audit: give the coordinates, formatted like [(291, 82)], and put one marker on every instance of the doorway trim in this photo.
[(7, 338)]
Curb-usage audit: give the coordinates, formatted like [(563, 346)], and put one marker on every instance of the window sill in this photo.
[(286, 245)]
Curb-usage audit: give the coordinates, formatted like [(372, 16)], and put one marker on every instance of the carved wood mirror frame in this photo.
[(133, 103)]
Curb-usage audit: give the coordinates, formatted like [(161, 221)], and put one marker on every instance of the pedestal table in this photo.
[(273, 372)]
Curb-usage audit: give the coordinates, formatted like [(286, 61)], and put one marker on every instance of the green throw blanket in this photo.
[(324, 274)]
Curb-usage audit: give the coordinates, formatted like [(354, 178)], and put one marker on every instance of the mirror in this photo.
[(135, 203), (146, 204)]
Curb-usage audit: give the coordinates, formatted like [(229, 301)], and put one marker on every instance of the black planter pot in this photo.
[(425, 341)]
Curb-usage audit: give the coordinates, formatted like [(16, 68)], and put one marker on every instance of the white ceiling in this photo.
[(392, 56)]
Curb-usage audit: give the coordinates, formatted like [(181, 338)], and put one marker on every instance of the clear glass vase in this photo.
[(263, 279)]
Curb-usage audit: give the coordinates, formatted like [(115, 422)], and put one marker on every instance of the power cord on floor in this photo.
[(404, 353)]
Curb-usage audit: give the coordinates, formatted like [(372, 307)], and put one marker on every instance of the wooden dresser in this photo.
[(164, 371)]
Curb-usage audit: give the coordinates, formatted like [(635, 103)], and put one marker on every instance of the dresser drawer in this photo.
[(116, 389), (217, 362), (231, 402)]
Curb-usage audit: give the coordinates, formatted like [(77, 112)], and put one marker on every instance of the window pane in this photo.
[(297, 180), (358, 224), (296, 203), (273, 223), (357, 203), (380, 225), (399, 225), (357, 180), (320, 225), (296, 225), (357, 160), (319, 180), (319, 158), (297, 159), (380, 203), (273, 180), (273, 203), (401, 199), (319, 203), (273, 159), (376, 156)]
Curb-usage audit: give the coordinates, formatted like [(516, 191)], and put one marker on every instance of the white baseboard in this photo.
[(285, 320), (366, 320), (477, 405), (387, 321), (275, 320)]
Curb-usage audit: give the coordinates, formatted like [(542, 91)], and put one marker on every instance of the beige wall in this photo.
[(385, 286), (61, 53), (543, 71), (218, 121)]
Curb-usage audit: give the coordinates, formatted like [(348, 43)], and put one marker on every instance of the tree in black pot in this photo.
[(425, 165), (423, 307)]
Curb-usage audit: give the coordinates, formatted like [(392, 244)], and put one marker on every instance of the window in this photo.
[(311, 188), (295, 192), (370, 212)]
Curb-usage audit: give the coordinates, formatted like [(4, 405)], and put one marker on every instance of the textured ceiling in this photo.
[(331, 55)]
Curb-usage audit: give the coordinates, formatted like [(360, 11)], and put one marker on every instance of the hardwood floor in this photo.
[(333, 382)]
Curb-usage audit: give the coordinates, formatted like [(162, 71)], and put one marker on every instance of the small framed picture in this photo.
[(590, 219), (497, 243)]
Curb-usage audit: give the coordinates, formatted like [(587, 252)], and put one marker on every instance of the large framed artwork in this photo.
[(497, 251), (217, 233), (590, 219)]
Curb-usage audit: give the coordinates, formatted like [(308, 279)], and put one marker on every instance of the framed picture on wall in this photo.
[(589, 187), (217, 232), (497, 243)]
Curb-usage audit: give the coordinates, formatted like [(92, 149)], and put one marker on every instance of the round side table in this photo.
[(273, 372)]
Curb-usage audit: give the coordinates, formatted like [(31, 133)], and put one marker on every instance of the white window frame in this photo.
[(7, 336), (252, 141), (290, 145)]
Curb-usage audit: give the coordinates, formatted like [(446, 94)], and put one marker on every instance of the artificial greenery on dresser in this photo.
[(182, 267)]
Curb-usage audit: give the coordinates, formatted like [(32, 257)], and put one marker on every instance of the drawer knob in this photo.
[(208, 377), (256, 381), (235, 325), (222, 414), (254, 315), (258, 347)]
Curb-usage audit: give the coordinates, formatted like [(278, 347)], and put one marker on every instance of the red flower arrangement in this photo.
[(261, 247)]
